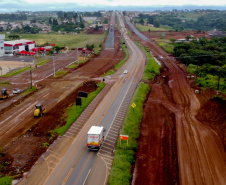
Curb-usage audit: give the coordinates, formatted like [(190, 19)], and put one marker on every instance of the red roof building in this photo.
[(15, 46)]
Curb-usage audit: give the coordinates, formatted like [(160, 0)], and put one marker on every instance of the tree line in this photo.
[(209, 57), (210, 21), (13, 17)]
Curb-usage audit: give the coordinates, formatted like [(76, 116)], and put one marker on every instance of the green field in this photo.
[(168, 47), (189, 16), (146, 28), (69, 40)]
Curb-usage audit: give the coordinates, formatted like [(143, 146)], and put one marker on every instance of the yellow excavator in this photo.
[(5, 94), (39, 110)]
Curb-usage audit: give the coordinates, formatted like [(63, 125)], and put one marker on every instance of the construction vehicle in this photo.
[(5, 94), (39, 110), (95, 137)]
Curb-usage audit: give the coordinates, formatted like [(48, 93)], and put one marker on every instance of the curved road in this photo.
[(79, 166)]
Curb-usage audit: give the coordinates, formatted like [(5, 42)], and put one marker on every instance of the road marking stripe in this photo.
[(86, 177), (68, 175), (108, 156), (106, 147)]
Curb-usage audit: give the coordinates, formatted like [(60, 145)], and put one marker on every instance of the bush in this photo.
[(6, 180)]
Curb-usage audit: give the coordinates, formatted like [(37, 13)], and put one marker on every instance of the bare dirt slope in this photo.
[(19, 126), (200, 152)]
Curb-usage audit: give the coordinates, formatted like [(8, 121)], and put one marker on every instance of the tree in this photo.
[(141, 21), (156, 23), (57, 48), (188, 37), (14, 37), (96, 27), (50, 21), (173, 40), (82, 25), (105, 20)]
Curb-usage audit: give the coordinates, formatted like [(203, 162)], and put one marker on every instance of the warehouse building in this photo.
[(14, 46)]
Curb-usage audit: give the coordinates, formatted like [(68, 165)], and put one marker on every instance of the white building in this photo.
[(18, 45), (2, 38)]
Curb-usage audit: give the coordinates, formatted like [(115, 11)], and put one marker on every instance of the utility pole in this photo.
[(31, 76), (54, 65), (77, 55)]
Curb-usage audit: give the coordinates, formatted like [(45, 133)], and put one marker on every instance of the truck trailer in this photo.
[(95, 137)]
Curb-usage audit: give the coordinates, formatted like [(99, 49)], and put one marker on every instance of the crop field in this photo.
[(69, 40), (146, 28)]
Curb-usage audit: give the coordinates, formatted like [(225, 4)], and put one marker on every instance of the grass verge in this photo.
[(28, 91), (40, 61), (5, 83), (16, 72), (152, 68), (74, 111), (168, 47), (124, 155), (72, 66), (146, 28), (60, 73)]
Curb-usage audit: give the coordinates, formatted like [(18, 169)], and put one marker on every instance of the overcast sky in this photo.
[(37, 5)]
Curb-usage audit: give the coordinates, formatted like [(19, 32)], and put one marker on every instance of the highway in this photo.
[(79, 166)]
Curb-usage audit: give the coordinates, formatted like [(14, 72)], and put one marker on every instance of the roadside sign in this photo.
[(133, 105), (78, 101), (83, 94), (124, 137)]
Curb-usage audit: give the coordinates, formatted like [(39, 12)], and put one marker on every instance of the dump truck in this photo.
[(95, 137), (39, 110), (5, 94)]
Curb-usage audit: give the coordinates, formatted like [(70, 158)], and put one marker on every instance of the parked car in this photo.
[(161, 56), (125, 71), (16, 91)]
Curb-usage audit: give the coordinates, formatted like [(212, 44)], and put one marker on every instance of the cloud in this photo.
[(34, 5)]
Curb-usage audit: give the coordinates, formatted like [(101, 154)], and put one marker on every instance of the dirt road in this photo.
[(173, 138), (22, 129)]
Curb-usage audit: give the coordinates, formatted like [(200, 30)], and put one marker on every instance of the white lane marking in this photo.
[(86, 177)]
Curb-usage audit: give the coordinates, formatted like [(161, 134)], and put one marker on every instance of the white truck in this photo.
[(95, 137)]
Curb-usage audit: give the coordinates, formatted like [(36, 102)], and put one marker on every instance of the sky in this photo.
[(76, 5)]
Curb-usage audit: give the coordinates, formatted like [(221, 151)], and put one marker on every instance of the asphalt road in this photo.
[(135, 30), (68, 161), (77, 165), (111, 36)]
